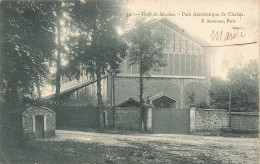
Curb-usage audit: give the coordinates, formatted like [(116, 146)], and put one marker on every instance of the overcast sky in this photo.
[(192, 24)]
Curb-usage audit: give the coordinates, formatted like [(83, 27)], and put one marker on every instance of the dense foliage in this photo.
[(27, 44), (243, 84)]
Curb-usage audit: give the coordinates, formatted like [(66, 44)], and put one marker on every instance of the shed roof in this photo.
[(130, 100), (159, 95)]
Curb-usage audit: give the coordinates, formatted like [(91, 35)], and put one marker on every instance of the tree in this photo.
[(145, 49), (58, 59), (61, 10), (61, 53), (98, 46), (243, 85), (219, 93), (27, 44)]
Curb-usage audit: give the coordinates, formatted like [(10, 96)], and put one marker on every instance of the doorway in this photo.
[(39, 126)]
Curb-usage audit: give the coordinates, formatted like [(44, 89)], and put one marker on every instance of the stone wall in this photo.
[(210, 119), (244, 121), (201, 120), (49, 123), (128, 118)]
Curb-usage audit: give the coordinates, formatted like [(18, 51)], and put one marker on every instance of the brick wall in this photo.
[(245, 121), (210, 119), (128, 118)]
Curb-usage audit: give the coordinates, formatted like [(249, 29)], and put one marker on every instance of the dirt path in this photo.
[(195, 148)]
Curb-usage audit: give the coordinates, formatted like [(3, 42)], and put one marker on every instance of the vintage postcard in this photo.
[(151, 81)]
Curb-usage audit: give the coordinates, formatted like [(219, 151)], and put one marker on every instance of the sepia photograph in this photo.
[(129, 82)]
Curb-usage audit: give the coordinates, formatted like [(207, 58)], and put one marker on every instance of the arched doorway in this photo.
[(39, 126)]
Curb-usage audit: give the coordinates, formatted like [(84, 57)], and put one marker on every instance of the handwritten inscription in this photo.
[(227, 36)]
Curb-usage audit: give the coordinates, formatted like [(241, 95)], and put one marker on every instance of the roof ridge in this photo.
[(174, 26)]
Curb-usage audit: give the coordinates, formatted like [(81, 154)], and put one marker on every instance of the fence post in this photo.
[(192, 118), (149, 119), (115, 118)]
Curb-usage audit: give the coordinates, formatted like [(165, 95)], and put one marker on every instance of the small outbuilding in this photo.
[(39, 122)]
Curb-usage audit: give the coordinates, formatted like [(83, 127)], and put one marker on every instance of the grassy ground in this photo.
[(90, 147), (44, 152)]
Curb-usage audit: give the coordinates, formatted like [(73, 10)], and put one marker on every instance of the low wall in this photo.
[(77, 117), (82, 117), (210, 119), (244, 121), (128, 118)]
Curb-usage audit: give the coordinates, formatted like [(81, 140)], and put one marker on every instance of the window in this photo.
[(104, 89), (128, 66), (134, 69), (177, 43), (93, 91), (189, 47), (122, 67), (176, 64), (199, 67), (201, 50), (165, 70), (193, 65), (196, 50), (182, 64), (75, 95), (170, 64), (192, 48), (172, 48), (188, 65), (184, 46), (205, 66), (87, 93), (171, 41), (157, 71)]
